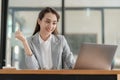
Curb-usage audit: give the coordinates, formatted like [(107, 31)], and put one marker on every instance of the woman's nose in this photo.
[(50, 25)]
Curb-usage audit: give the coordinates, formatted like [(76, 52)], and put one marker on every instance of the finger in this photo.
[(17, 28), (19, 32)]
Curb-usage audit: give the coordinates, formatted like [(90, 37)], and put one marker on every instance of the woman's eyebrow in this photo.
[(50, 20), (47, 19)]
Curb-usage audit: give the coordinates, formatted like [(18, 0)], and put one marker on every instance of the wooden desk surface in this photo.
[(90, 72)]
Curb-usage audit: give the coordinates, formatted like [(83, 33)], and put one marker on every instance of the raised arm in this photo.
[(21, 37), (31, 61)]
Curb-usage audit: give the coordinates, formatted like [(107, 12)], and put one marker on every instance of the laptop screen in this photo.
[(95, 56)]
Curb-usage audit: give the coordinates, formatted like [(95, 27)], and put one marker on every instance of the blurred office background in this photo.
[(94, 21)]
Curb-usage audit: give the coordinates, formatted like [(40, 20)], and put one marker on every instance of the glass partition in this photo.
[(112, 32), (93, 21), (23, 15), (84, 21), (81, 26), (92, 3)]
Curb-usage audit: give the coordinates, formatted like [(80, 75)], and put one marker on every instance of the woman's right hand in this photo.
[(20, 36)]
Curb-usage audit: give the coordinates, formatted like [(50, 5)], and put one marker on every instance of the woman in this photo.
[(45, 49)]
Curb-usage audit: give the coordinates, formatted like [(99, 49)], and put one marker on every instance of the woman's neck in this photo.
[(44, 36)]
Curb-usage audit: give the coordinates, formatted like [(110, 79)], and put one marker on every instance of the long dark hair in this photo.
[(42, 14)]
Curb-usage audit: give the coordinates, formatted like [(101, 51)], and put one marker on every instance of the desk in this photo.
[(5, 72)]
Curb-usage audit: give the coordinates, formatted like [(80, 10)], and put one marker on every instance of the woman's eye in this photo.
[(54, 23), (47, 21)]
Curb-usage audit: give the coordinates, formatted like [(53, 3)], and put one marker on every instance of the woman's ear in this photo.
[(39, 21)]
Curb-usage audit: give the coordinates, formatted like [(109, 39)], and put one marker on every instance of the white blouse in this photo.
[(46, 52)]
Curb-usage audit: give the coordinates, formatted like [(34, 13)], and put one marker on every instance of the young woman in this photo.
[(45, 49)]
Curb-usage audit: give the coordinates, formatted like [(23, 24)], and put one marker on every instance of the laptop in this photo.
[(95, 56)]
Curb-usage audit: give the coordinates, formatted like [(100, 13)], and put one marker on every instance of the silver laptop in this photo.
[(95, 56)]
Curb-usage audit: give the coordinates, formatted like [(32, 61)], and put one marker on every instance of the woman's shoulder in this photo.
[(58, 37), (31, 38)]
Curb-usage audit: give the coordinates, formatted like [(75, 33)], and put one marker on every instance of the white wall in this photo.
[(78, 22), (34, 3), (112, 26), (92, 3), (68, 3)]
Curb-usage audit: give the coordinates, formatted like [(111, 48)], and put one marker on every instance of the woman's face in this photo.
[(48, 23)]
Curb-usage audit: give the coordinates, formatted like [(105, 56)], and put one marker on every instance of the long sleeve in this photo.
[(67, 55), (31, 61)]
